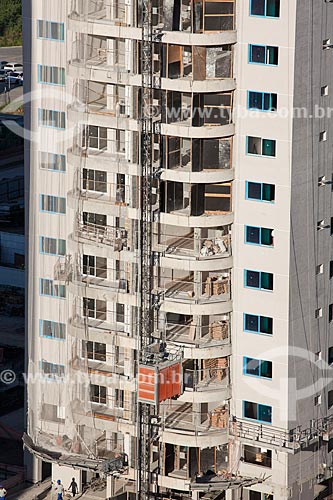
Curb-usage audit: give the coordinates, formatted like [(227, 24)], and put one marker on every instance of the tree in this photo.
[(10, 23)]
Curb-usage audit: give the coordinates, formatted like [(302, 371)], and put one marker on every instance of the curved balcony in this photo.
[(182, 425), (206, 385), (188, 131)]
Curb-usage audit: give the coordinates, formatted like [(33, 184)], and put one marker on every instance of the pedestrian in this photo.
[(3, 492), (74, 487), (60, 490)]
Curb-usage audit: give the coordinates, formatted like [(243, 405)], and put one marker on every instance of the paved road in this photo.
[(11, 54)]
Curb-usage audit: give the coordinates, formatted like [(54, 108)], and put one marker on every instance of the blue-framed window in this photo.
[(261, 101), (264, 54), (52, 329), (260, 147), (258, 279), (50, 30), (265, 8), (52, 161), (52, 204), (258, 324), (51, 289), (52, 370), (52, 246), (51, 118), (258, 412), (260, 191), (257, 367), (262, 236), (51, 75)]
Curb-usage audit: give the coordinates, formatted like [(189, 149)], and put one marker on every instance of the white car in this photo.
[(17, 67)]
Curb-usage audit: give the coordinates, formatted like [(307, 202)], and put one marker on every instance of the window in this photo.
[(95, 219), (53, 413), (51, 74), (54, 204), (257, 456), (51, 161), (318, 313), (95, 137), (52, 370), (264, 54), (94, 350), (317, 400), (119, 398), (260, 147), (94, 309), (330, 355), (257, 367), (258, 324), (331, 226), (51, 118), (52, 329), (120, 313), (258, 279), (324, 90), (98, 394), (265, 8), (95, 266), (49, 288), (94, 180), (330, 313), (257, 495), (323, 136), (256, 411), (52, 246), (259, 236), (331, 269), (50, 30), (320, 269), (120, 141), (262, 101), (260, 191)]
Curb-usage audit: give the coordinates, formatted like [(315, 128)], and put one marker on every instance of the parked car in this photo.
[(3, 64), (15, 78), (17, 67), (3, 75)]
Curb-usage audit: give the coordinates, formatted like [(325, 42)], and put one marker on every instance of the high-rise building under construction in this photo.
[(180, 306)]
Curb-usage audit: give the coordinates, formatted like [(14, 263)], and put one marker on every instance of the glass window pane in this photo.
[(251, 322), (252, 234), (266, 325), (254, 145), (62, 247), (252, 279), (267, 281), (266, 236), (273, 8), (254, 190), (255, 100), (265, 413), (268, 192), (266, 369), (257, 7), (268, 147), (250, 410), (258, 54), (252, 366), (272, 55)]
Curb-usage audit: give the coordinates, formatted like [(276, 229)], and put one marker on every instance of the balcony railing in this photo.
[(214, 289), (206, 379)]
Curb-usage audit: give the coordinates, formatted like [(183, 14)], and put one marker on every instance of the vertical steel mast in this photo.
[(145, 323)]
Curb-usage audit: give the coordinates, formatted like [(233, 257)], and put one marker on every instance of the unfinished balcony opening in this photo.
[(103, 186), (197, 155), (115, 275), (197, 287), (117, 144), (195, 419), (206, 374), (197, 110), (195, 199), (183, 462), (203, 16), (257, 456), (110, 11), (94, 228), (102, 98), (198, 331), (196, 63)]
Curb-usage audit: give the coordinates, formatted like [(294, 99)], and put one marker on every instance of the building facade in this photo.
[(241, 246)]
